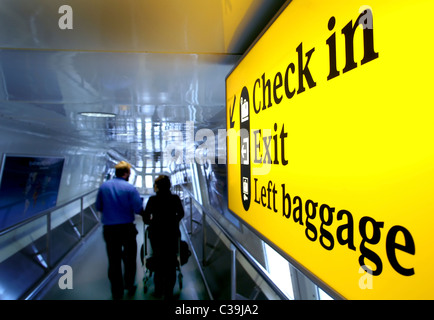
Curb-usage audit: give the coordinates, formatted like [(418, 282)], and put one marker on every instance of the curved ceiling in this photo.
[(160, 62)]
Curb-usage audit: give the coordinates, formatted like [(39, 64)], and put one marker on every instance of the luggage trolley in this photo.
[(146, 259), (148, 262), (182, 258)]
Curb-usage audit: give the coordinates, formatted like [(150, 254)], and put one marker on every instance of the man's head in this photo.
[(123, 170)]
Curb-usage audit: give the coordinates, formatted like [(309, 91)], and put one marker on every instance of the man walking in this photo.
[(118, 201)]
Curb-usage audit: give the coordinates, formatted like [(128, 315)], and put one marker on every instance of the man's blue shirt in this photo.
[(118, 200)]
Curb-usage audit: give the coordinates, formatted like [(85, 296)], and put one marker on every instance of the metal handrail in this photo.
[(43, 213), (47, 214), (239, 247), (37, 287)]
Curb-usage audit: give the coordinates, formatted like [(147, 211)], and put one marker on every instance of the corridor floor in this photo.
[(90, 280)]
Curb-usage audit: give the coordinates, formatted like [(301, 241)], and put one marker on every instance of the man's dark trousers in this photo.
[(121, 246)]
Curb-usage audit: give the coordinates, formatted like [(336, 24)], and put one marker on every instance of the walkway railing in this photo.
[(238, 252), (34, 247), (43, 241)]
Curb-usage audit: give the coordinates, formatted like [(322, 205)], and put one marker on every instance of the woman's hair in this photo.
[(122, 168), (162, 183)]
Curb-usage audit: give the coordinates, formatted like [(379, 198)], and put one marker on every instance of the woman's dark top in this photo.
[(163, 213)]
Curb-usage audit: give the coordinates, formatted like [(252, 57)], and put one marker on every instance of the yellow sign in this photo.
[(330, 119)]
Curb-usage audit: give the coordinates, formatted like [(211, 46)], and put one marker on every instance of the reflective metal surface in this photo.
[(48, 90), (161, 62), (188, 26), (156, 65)]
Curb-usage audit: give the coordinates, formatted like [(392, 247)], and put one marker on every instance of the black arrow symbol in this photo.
[(231, 114)]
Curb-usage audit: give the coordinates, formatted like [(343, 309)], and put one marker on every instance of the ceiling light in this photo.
[(98, 114)]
